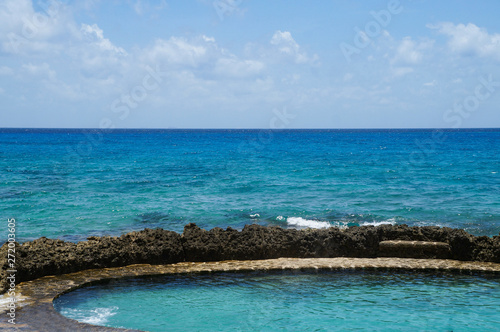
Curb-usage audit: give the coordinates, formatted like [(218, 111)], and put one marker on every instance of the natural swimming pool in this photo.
[(307, 300)]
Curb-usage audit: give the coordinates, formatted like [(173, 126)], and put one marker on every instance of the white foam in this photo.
[(301, 222), (340, 224), (280, 218), (97, 316), (255, 216), (390, 221)]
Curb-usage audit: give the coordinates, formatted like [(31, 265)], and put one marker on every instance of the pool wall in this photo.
[(43, 257)]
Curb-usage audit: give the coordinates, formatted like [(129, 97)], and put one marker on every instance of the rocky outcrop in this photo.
[(258, 242), (53, 257), (44, 256)]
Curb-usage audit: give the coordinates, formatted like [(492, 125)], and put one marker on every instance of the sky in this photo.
[(249, 64)]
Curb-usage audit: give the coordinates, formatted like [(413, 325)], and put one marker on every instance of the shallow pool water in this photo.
[(313, 301)]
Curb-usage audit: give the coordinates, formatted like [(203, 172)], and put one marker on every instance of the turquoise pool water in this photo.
[(296, 301)]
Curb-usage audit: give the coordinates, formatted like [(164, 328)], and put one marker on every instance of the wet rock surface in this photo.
[(44, 256)]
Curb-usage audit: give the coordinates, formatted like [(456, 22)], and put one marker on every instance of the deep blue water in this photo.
[(71, 184), (297, 301)]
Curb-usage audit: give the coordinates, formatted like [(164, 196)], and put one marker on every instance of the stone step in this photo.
[(414, 249)]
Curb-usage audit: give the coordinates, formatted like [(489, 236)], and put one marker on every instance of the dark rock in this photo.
[(44, 256), (414, 249)]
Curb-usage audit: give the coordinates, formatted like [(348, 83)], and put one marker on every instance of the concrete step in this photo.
[(414, 249)]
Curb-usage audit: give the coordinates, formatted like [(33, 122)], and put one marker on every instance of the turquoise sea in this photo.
[(72, 183)]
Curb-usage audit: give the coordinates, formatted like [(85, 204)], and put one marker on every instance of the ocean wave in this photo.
[(308, 223), (300, 222), (391, 221)]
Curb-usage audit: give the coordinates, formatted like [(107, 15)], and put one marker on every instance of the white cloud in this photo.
[(287, 45), (470, 39), (12, 13), (95, 36), (69, 62), (178, 51), (201, 54), (208, 39), (97, 56), (43, 70), (410, 52), (23, 30), (284, 39), (430, 84)]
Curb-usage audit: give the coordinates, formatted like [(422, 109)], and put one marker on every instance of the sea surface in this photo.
[(71, 183), (292, 301)]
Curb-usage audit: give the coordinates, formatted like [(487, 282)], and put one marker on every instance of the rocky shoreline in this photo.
[(44, 256)]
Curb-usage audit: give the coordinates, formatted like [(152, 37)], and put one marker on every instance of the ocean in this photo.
[(74, 183)]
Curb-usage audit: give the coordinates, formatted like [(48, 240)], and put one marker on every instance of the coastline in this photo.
[(48, 268), (44, 257)]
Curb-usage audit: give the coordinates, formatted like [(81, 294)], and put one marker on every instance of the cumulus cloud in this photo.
[(22, 29), (178, 51), (9, 13), (68, 61), (285, 43), (470, 39), (200, 54), (95, 36), (98, 57)]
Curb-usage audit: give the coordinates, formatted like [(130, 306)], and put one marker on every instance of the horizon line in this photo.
[(256, 128)]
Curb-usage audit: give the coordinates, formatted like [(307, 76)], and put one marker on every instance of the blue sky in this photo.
[(249, 64)]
